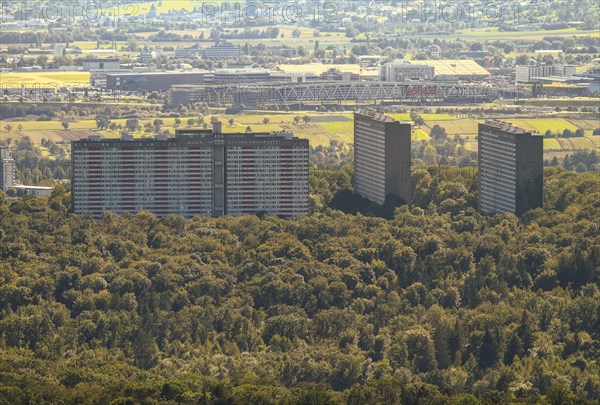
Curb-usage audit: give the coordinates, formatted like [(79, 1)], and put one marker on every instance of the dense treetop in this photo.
[(436, 304)]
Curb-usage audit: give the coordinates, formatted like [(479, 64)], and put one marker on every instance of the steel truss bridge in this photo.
[(335, 91)]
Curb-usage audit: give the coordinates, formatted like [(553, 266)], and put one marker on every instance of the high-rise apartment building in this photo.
[(197, 172), (382, 159), (510, 177), (7, 169)]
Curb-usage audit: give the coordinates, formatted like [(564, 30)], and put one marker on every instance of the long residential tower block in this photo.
[(197, 172), (382, 159), (510, 176)]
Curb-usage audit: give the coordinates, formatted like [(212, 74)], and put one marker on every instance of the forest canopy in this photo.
[(436, 305)]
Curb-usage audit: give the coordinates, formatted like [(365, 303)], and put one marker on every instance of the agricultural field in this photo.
[(44, 79), (320, 130), (552, 144), (541, 125), (560, 102), (338, 127), (545, 124), (581, 142), (587, 124), (91, 45), (455, 127)]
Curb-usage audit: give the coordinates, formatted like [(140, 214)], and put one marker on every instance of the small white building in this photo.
[(146, 56), (223, 50), (187, 53), (37, 191), (370, 61)]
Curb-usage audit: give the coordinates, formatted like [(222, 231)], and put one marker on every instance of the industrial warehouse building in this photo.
[(154, 81), (100, 64)]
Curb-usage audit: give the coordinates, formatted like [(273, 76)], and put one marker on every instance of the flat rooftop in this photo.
[(409, 62), (318, 68), (227, 71), (508, 127), (168, 72), (376, 115), (448, 67), (190, 133), (456, 67), (100, 60)]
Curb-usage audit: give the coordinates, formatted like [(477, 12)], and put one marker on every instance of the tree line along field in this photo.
[(320, 129), (306, 39)]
